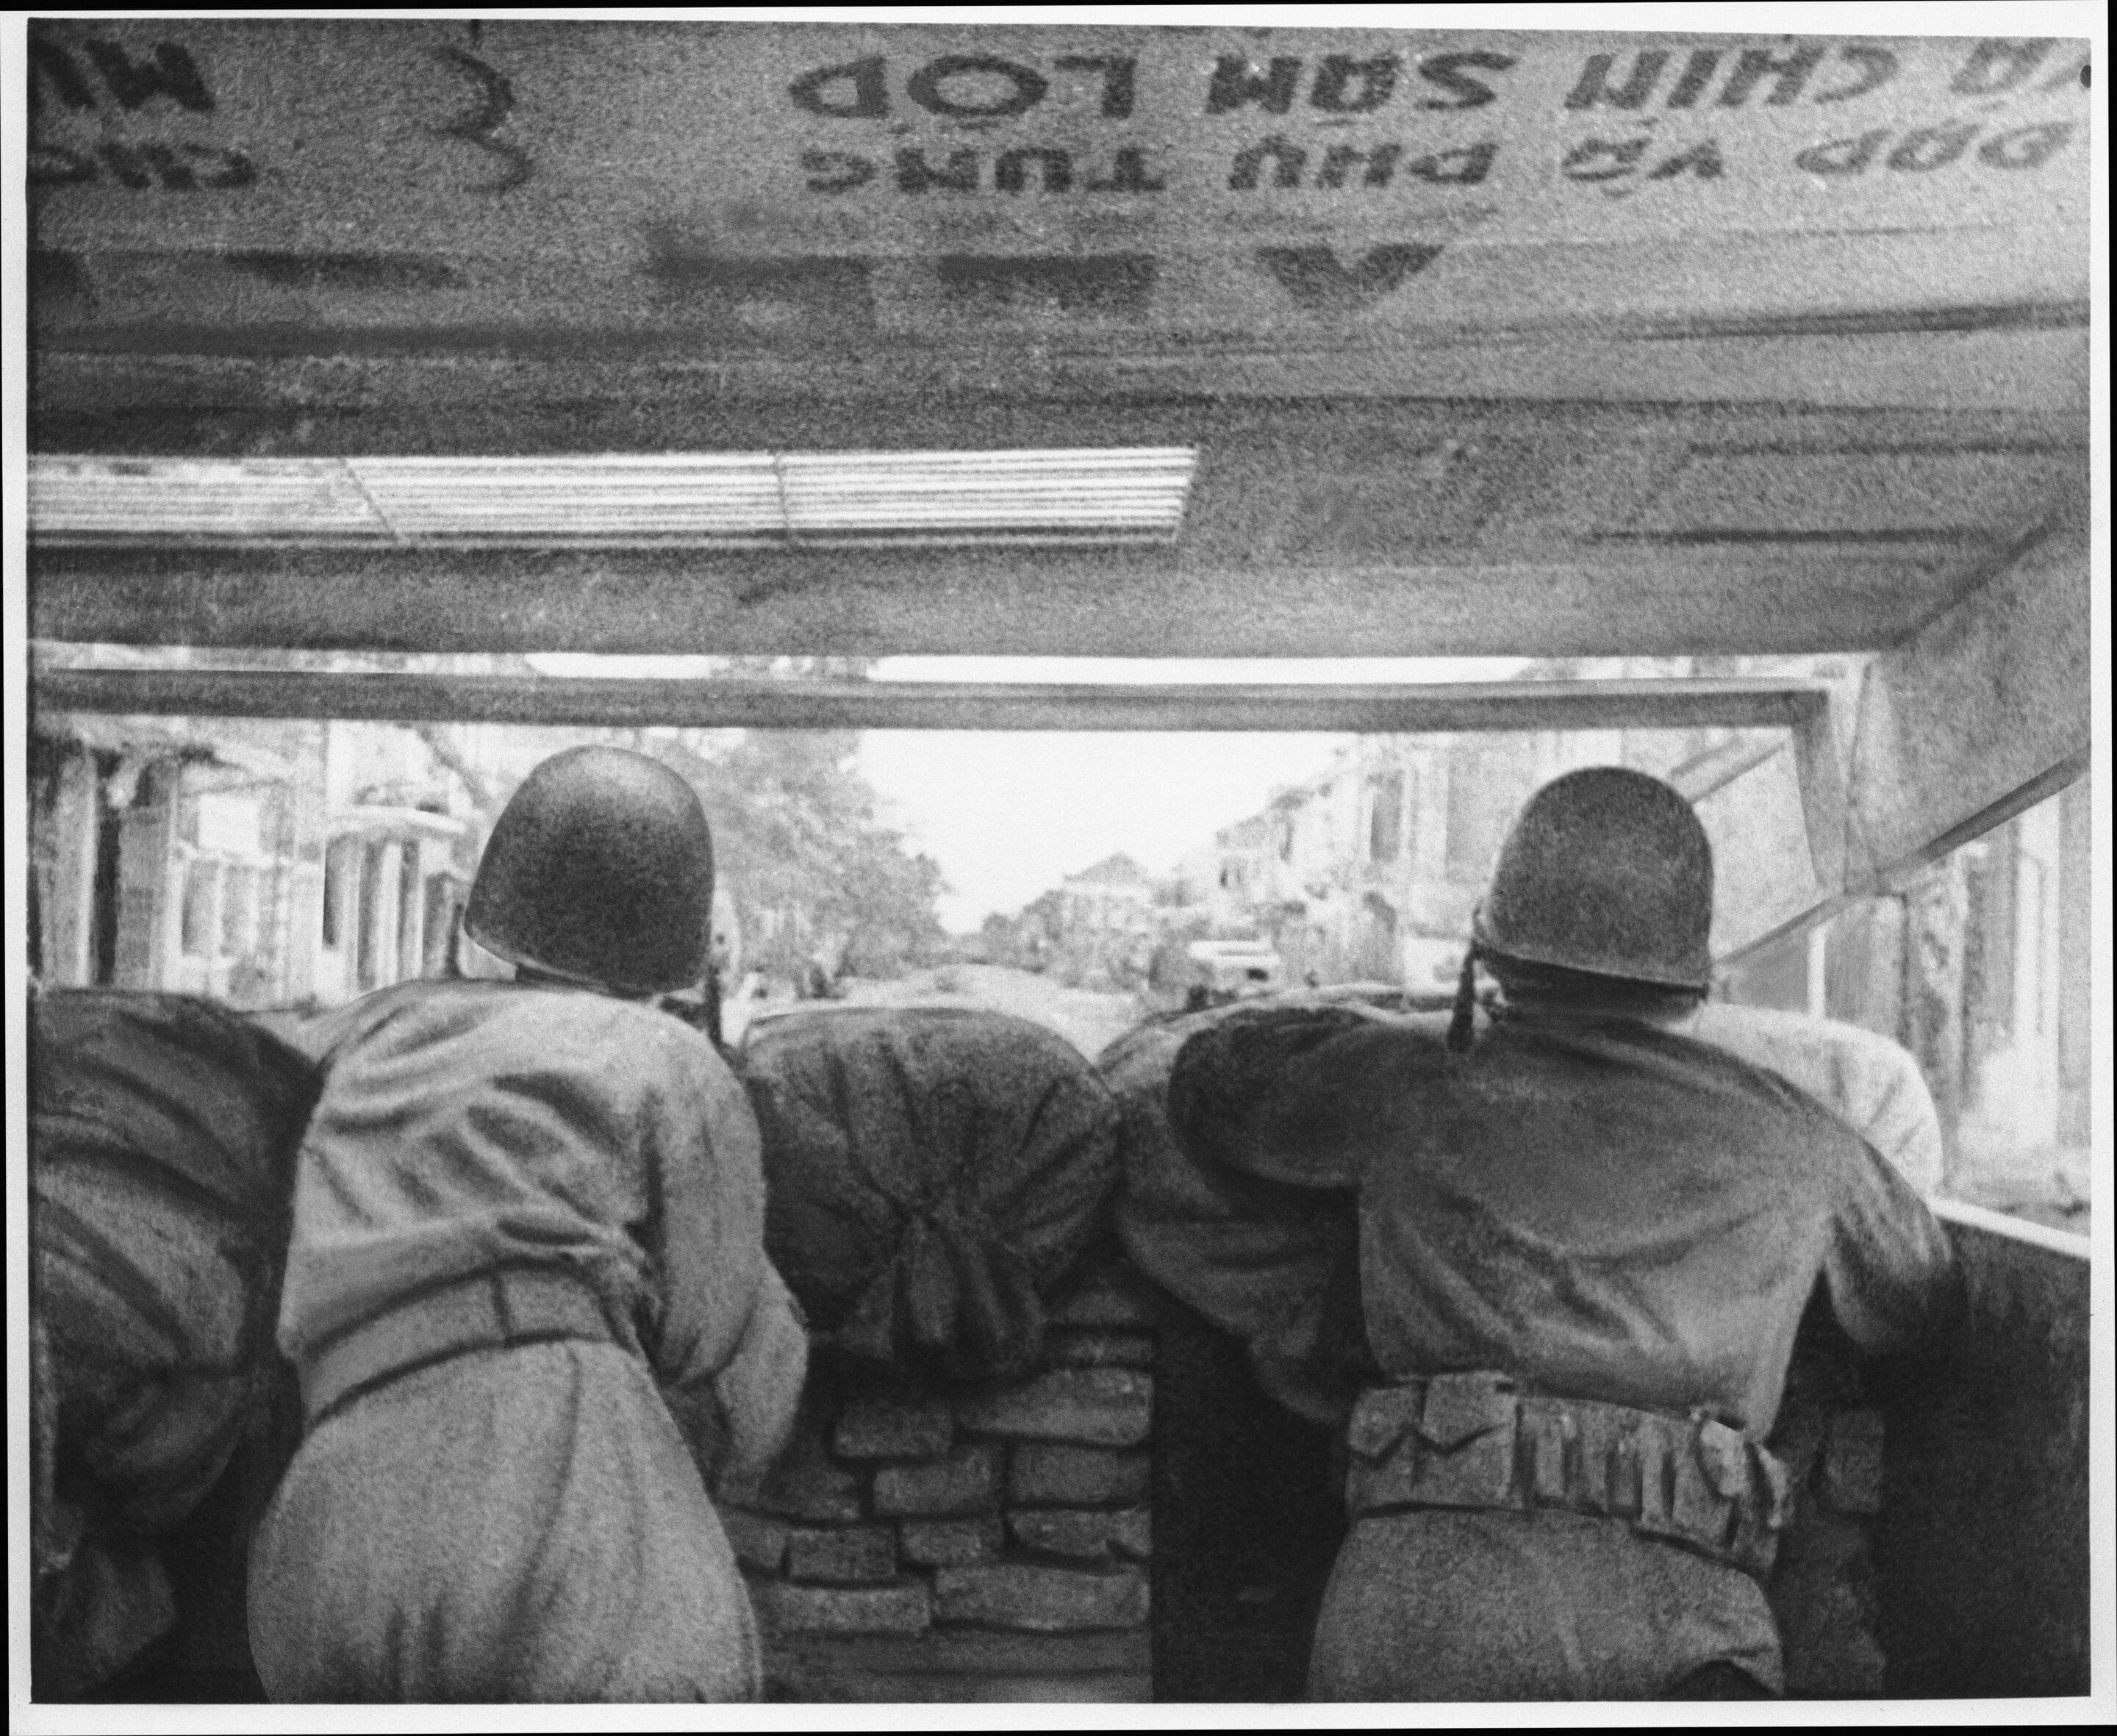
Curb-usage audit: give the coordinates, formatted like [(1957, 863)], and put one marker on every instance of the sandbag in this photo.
[(162, 1133), (930, 1174)]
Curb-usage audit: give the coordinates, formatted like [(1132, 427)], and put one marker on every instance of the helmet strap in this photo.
[(1463, 1022)]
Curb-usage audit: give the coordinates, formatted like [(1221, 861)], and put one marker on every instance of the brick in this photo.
[(1095, 1406), (894, 1431), (812, 1489), (758, 1541), (949, 1543), (1045, 1475), (855, 1554), (1852, 1462), (1093, 1347), (785, 1608), (1080, 1534), (966, 1481), (1083, 1533), (1040, 1600), (804, 1485)]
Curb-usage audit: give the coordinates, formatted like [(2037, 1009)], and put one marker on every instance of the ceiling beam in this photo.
[(1214, 601), (1984, 712), (725, 703)]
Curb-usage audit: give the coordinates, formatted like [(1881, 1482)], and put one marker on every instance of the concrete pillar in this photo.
[(274, 932), (411, 909), (2037, 899), (303, 916), (1865, 967), (389, 910), (70, 922), (145, 832), (1936, 920), (217, 893)]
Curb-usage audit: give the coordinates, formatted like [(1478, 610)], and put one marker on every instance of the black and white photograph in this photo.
[(1057, 867)]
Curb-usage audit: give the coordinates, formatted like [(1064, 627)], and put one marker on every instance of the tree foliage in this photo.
[(814, 870)]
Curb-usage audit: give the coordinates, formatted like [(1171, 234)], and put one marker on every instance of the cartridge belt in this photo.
[(1484, 1441)]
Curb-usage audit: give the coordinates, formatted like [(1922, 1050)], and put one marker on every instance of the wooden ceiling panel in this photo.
[(1488, 342), (1986, 493)]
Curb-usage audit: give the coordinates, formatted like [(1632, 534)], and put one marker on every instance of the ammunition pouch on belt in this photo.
[(1481, 1441), (489, 1311)]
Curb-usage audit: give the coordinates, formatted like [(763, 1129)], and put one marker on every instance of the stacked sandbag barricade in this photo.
[(966, 1512), (962, 1515), (163, 1133)]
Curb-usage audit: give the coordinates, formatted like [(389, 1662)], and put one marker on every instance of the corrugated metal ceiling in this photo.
[(739, 499)]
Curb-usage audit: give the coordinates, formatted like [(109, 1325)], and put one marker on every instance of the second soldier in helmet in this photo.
[(527, 1297), (1586, 1241)]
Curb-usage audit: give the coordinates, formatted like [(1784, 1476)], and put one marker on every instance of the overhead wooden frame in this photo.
[(1093, 195), (1546, 344), (1491, 343), (718, 702), (1981, 712), (1800, 710)]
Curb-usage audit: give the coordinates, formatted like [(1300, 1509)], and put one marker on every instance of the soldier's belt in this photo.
[(493, 1309), (1480, 1441)]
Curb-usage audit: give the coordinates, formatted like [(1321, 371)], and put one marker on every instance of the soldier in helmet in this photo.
[(527, 1298), (1586, 1241)]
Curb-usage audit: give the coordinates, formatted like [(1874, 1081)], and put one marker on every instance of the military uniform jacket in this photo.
[(475, 1125), (1601, 1207)]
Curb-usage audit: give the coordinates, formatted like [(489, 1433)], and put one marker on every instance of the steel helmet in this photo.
[(1607, 870), (600, 868)]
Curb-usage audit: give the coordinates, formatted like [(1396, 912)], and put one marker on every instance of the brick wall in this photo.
[(992, 1543), (972, 1542)]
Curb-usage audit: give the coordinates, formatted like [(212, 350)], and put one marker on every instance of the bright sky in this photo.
[(1009, 813)]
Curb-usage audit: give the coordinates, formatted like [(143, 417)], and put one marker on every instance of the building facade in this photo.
[(1109, 918), (262, 863), (1980, 966), (1371, 871)]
